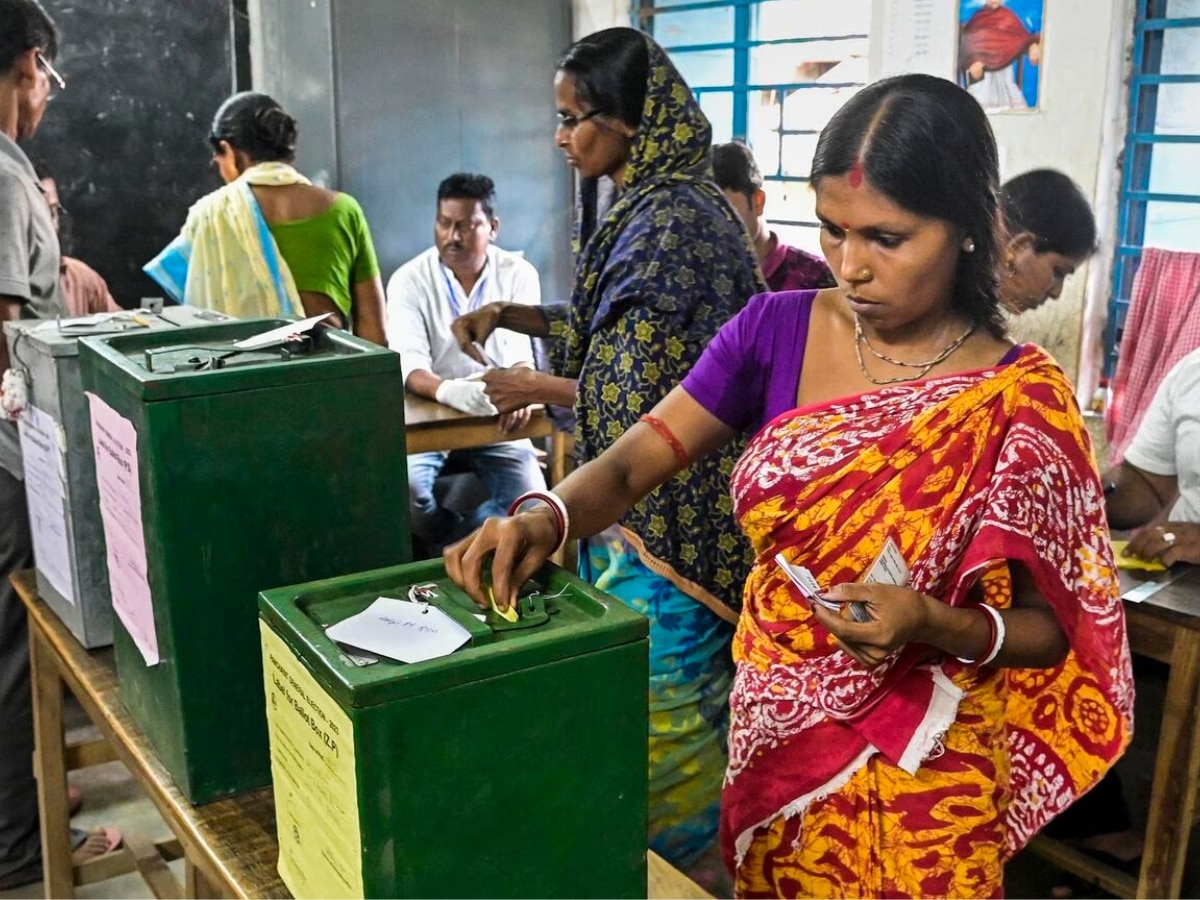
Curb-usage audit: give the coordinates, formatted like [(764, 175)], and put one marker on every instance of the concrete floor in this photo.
[(112, 798)]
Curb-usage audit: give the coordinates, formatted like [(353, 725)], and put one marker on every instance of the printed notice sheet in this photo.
[(114, 442), (46, 494), (316, 790), (919, 36)]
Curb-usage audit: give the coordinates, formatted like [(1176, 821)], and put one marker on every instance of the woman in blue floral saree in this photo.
[(658, 272)]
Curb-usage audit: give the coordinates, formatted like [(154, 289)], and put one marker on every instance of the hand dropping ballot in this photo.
[(508, 615), (402, 630), (888, 568)]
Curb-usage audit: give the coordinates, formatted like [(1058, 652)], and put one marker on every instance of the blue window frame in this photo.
[(770, 73), (1160, 180)]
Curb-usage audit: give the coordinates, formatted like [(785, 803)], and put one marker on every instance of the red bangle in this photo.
[(669, 436), (993, 637), (556, 505)]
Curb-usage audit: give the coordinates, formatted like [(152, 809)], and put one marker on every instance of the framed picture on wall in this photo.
[(1000, 52)]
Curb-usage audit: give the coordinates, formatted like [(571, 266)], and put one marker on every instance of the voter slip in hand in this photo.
[(811, 590), (888, 568)]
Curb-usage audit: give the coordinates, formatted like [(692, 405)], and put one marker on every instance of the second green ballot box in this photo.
[(60, 478)]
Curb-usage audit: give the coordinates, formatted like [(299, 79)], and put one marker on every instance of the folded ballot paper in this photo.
[(280, 334), (888, 568)]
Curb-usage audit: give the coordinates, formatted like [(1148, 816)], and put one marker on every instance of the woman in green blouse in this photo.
[(270, 242)]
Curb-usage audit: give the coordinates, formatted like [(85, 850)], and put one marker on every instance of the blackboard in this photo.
[(126, 139)]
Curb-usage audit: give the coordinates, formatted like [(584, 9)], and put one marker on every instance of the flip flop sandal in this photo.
[(88, 848), (96, 843)]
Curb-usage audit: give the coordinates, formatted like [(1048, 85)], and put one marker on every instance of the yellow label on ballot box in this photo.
[(313, 767)]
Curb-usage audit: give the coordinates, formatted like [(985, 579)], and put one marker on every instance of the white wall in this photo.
[(593, 15), (1078, 129)]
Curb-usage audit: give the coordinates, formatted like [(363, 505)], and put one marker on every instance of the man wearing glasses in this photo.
[(29, 289)]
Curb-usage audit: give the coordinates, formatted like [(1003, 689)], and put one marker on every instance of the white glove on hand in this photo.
[(466, 395)]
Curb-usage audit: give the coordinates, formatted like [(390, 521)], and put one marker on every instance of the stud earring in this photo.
[(969, 245)]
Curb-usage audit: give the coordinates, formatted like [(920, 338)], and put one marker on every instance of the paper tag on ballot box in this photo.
[(402, 630)]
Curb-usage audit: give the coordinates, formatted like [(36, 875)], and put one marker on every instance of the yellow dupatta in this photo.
[(234, 266)]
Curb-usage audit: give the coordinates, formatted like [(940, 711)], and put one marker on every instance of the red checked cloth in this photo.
[(1162, 327)]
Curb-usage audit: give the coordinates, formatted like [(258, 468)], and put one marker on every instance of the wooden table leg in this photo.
[(1176, 774), (153, 868), (50, 749), (198, 887)]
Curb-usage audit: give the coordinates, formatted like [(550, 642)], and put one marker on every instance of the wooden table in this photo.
[(430, 426), (1165, 627), (229, 845)]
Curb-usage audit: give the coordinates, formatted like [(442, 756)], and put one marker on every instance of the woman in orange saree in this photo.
[(918, 777), (970, 676)]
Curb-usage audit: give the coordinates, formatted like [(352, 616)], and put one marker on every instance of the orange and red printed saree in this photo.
[(921, 777)]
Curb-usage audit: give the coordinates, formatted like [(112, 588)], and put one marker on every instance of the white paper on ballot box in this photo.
[(402, 630)]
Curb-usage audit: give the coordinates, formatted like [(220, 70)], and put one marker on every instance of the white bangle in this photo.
[(1000, 634), (996, 639), (551, 499)]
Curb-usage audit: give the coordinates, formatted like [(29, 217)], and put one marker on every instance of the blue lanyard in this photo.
[(477, 292)]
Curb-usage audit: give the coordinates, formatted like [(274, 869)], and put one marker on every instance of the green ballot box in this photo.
[(223, 470), (515, 766)]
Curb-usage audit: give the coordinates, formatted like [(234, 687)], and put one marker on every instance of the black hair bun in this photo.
[(276, 129)]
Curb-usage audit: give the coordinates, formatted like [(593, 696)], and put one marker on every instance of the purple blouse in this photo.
[(750, 372)]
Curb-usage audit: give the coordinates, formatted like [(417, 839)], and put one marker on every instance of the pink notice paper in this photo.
[(114, 441)]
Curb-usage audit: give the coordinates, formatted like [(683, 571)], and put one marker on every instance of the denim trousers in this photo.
[(507, 470)]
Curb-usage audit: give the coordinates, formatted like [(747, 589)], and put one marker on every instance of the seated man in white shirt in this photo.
[(461, 272), (1158, 482)]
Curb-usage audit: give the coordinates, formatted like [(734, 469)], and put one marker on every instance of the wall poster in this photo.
[(1000, 52)]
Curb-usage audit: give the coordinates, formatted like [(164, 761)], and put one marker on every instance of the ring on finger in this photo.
[(1169, 537)]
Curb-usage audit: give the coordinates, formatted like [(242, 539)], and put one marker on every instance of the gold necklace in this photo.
[(922, 368)]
